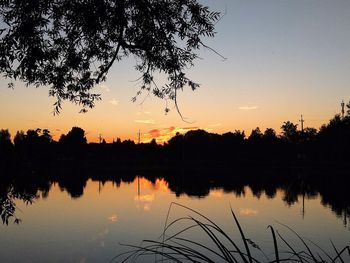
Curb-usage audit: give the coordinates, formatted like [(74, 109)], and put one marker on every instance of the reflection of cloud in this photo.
[(248, 107), (248, 212), (113, 218), (145, 198), (147, 207), (216, 193), (103, 233), (100, 237), (114, 102), (158, 185), (150, 121), (161, 185), (145, 201)]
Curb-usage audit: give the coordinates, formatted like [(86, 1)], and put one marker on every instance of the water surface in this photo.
[(60, 226)]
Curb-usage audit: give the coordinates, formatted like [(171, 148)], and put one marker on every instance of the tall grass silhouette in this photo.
[(176, 244)]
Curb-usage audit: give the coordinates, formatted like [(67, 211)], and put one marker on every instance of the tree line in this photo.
[(197, 147)]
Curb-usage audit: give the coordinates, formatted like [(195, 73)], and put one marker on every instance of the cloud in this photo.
[(248, 212), (114, 102), (163, 135), (248, 107), (105, 88), (149, 121), (154, 133)]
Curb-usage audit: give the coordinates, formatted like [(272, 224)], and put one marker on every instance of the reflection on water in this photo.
[(84, 220)]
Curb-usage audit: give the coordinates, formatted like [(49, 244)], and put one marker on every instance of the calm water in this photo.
[(91, 228)]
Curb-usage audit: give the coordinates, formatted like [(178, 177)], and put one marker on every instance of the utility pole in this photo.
[(100, 138), (342, 104), (302, 123), (139, 136)]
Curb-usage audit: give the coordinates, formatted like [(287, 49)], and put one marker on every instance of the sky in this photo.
[(285, 58)]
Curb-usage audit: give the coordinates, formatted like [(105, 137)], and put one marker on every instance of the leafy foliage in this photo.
[(8, 204), (70, 45)]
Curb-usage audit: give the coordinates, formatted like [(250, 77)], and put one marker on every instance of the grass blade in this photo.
[(242, 235), (275, 243)]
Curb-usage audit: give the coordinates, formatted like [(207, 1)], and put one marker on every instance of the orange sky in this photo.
[(284, 59)]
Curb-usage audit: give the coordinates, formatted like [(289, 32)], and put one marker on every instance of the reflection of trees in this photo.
[(295, 185)]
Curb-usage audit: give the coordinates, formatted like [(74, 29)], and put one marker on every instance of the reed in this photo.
[(176, 245)]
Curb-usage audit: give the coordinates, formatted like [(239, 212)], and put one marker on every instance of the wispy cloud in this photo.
[(143, 112), (248, 108), (114, 102), (105, 88), (149, 121)]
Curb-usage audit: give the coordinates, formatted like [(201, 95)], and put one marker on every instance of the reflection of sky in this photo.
[(144, 200), (285, 58), (90, 228)]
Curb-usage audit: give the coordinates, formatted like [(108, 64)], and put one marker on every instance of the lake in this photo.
[(89, 221)]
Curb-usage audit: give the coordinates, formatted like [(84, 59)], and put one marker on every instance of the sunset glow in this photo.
[(284, 59)]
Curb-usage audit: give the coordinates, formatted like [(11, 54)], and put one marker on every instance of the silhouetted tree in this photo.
[(309, 134), (334, 137), (76, 136), (5, 136), (290, 132), (234, 137), (6, 146), (5, 139), (270, 135), (255, 135), (34, 144), (46, 136), (70, 46)]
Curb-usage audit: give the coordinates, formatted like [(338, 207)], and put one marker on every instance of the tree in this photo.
[(270, 135), (5, 136), (256, 135), (70, 45), (76, 136), (289, 131), (19, 138), (309, 134), (5, 142)]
